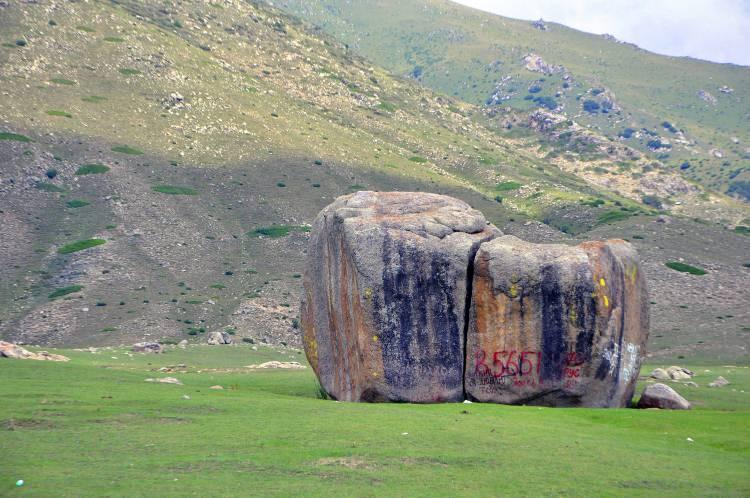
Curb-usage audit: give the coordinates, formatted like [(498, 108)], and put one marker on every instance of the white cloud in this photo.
[(716, 30)]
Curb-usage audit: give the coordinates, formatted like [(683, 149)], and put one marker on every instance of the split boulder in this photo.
[(219, 338)]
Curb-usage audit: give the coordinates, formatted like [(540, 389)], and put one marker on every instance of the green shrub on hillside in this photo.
[(173, 190), (114, 39), (93, 99), (61, 114), (48, 187), (86, 29), (508, 185), (612, 216), (92, 169), (4, 135), (742, 229), (126, 149), (64, 291), (417, 159), (63, 81), (80, 245), (128, 71), (76, 203), (676, 265)]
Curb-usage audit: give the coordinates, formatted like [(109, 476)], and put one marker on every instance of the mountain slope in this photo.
[(216, 133), (692, 114)]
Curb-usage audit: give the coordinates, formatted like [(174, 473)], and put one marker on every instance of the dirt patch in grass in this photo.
[(18, 424)]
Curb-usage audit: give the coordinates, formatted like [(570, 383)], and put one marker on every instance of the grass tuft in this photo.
[(92, 169), (62, 81), (126, 149), (507, 186), (77, 203), (64, 291), (80, 245), (127, 71), (4, 135), (693, 270), (62, 114), (173, 190)]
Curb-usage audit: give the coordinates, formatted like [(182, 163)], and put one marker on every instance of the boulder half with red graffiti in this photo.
[(556, 325), (385, 295)]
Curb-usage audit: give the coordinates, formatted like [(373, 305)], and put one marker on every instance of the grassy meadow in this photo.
[(93, 426)]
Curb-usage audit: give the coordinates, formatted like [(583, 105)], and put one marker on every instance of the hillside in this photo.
[(161, 166), (690, 114)]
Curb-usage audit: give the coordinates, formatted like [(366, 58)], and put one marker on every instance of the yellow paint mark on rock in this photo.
[(602, 282), (368, 293), (513, 291), (375, 338), (606, 302), (573, 316)]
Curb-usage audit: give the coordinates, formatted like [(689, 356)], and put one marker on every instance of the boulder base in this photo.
[(385, 294), (556, 325)]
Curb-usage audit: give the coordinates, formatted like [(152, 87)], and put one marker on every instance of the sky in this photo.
[(715, 30)]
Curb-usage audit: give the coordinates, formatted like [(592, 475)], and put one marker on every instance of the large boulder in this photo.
[(10, 350), (556, 325), (662, 396), (147, 347), (385, 287)]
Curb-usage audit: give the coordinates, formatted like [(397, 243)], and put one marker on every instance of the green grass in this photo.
[(126, 149), (93, 99), (64, 291), (173, 190), (77, 203), (612, 216), (129, 71), (92, 169), (114, 39), (63, 81), (277, 231), (48, 187), (509, 185), (386, 106), (742, 229), (62, 114), (80, 245), (94, 427), (418, 159), (676, 265), (4, 135), (86, 29)]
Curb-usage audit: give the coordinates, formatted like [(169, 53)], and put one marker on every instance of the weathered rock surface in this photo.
[(659, 374), (662, 396), (147, 347), (556, 325), (679, 373), (10, 350), (384, 299), (219, 338), (290, 365)]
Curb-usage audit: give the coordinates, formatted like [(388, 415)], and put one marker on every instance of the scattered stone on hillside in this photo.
[(690, 384), (182, 344), (726, 89), (540, 25), (384, 295), (292, 365), (165, 380), (679, 373), (659, 374), (662, 396), (556, 325), (10, 350), (147, 347), (719, 382), (536, 64), (663, 219), (706, 96), (217, 338)]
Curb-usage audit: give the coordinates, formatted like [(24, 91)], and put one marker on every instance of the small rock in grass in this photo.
[(165, 380), (217, 388), (719, 382), (662, 396)]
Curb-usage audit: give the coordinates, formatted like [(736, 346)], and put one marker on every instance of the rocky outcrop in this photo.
[(217, 338), (556, 325), (384, 298), (415, 297), (147, 347), (10, 350), (662, 396)]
